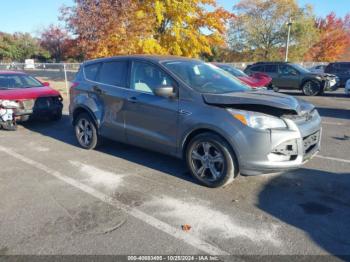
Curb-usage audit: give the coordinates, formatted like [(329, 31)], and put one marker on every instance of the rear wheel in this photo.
[(85, 131), (312, 88), (211, 160)]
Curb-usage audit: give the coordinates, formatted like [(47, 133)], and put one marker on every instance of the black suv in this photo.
[(292, 76), (341, 70)]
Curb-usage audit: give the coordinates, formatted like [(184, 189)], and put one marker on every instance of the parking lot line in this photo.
[(334, 158), (150, 220), (333, 123)]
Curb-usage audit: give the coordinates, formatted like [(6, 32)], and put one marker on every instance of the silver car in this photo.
[(195, 111)]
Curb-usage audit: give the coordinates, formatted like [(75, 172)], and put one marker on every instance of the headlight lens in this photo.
[(257, 120)]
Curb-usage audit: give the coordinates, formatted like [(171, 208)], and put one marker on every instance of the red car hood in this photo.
[(258, 81), (27, 93)]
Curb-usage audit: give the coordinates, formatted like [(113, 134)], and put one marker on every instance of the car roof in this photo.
[(153, 58), (8, 72)]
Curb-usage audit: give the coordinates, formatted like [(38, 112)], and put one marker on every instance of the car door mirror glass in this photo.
[(164, 91)]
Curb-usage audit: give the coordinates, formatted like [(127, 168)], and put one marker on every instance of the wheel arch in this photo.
[(83, 109), (190, 135), (310, 79)]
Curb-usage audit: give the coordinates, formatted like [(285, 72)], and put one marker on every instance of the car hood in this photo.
[(27, 93), (258, 100), (322, 75)]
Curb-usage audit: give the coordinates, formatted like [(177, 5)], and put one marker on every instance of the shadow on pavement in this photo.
[(334, 112), (63, 132), (314, 201)]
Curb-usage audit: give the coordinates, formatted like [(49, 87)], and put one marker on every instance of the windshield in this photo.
[(206, 78), (301, 69), (234, 71), (14, 81)]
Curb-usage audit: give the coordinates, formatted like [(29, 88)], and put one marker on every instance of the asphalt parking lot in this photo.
[(56, 198)]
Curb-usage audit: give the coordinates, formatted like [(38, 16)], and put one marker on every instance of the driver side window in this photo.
[(287, 70), (146, 77)]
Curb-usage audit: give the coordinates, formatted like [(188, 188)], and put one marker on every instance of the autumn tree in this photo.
[(260, 29), (334, 39), (113, 27), (57, 41)]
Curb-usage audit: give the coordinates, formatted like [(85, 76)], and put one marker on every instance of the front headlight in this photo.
[(257, 120)]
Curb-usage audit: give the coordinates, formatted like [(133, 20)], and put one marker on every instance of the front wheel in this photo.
[(85, 131), (211, 160), (312, 88)]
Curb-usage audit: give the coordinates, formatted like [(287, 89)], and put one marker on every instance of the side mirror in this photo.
[(46, 84), (165, 91), (293, 73)]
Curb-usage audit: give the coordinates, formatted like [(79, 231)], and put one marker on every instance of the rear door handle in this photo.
[(132, 99)]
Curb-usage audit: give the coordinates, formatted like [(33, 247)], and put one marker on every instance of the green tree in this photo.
[(20, 46), (260, 29)]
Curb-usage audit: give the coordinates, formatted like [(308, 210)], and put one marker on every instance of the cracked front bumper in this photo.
[(280, 150)]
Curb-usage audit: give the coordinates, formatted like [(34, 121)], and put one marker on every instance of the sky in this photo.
[(34, 15)]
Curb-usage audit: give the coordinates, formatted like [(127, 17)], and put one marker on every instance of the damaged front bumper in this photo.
[(279, 150), (39, 108)]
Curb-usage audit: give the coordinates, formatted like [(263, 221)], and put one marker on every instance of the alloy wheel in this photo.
[(207, 161), (84, 132)]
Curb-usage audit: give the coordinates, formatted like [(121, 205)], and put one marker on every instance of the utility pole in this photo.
[(289, 24)]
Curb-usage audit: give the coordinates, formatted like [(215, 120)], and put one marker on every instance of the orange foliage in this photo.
[(334, 39)]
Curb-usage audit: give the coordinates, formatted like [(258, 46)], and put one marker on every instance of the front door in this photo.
[(288, 77), (151, 121)]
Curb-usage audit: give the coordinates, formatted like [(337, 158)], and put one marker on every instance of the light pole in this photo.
[(289, 24)]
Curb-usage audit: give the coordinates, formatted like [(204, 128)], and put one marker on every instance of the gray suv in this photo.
[(293, 76), (192, 110)]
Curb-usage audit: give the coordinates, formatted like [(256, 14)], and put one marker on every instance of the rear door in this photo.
[(271, 70), (111, 89), (288, 77), (151, 121)]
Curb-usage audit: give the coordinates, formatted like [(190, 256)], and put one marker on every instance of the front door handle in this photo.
[(132, 99)]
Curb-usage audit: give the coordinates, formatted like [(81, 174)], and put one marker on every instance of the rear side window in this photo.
[(114, 73), (271, 68), (258, 68), (344, 67), (91, 71)]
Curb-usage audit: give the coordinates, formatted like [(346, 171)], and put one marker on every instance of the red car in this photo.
[(256, 80), (35, 99)]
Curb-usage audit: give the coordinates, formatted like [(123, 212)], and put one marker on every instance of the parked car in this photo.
[(341, 70), (347, 87), (292, 76), (317, 69), (195, 111), (256, 80), (35, 99)]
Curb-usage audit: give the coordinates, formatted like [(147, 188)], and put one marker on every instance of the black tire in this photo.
[(84, 124), (228, 167), (57, 116), (312, 88)]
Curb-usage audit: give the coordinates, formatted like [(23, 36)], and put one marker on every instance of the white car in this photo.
[(347, 87)]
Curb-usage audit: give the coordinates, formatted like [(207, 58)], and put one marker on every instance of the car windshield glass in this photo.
[(14, 81), (206, 78), (234, 71), (301, 69)]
